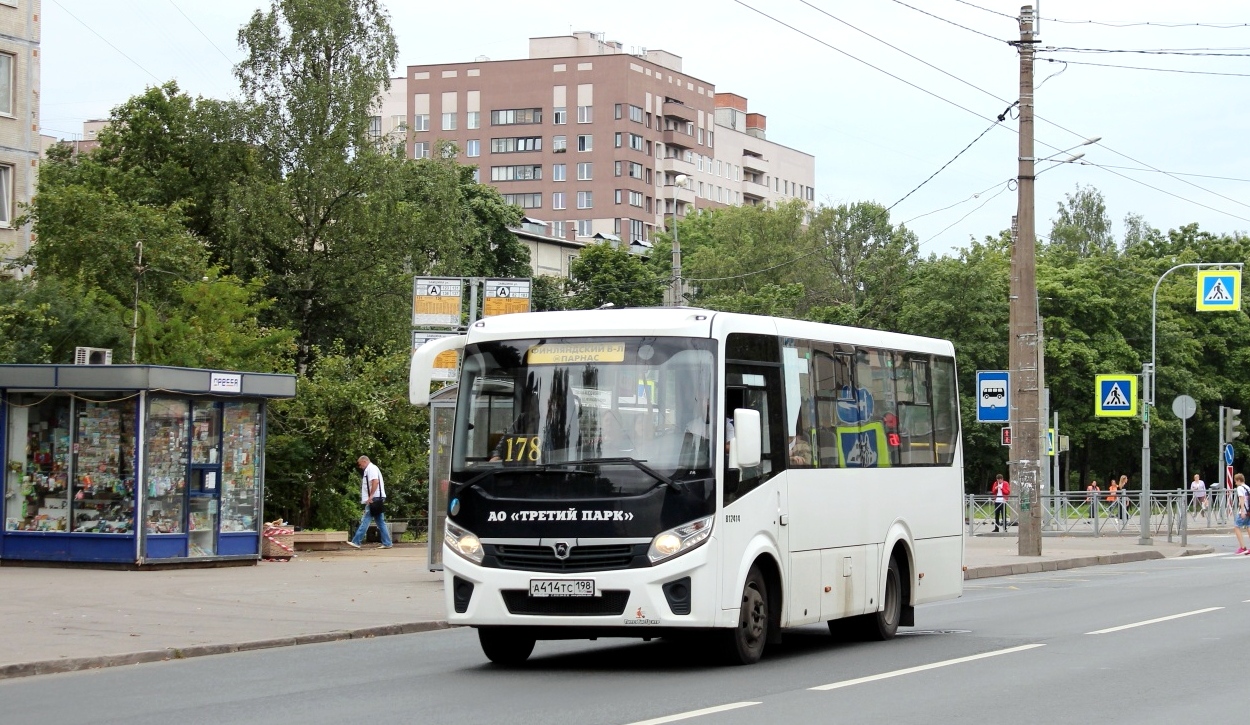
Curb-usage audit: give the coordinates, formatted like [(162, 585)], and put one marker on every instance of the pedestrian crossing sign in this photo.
[(1219, 289), (1115, 396)]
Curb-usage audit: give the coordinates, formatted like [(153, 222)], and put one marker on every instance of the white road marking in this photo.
[(922, 668), (1154, 621), (1202, 556), (694, 713)]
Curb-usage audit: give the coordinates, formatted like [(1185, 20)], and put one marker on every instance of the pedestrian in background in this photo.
[(373, 497), (1241, 521), (1199, 489), (1092, 496), (1000, 490), (1123, 512), (1112, 498)]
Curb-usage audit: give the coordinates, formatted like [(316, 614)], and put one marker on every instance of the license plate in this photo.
[(562, 587)]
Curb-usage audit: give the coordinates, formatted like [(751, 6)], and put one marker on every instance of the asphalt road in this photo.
[(1079, 645)]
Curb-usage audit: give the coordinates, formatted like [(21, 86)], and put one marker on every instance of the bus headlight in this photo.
[(463, 542), (680, 540)]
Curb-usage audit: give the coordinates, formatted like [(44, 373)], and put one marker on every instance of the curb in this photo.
[(76, 664), (1032, 567)]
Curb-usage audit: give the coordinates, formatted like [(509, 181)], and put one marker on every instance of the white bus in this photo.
[(648, 472)]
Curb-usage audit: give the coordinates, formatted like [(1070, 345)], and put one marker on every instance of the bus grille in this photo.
[(611, 602), (581, 558)]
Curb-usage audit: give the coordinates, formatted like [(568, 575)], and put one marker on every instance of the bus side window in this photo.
[(945, 411), (834, 384), (800, 404), (758, 388)]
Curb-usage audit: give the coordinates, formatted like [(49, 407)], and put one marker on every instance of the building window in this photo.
[(525, 201), (635, 114), (475, 120), (559, 116), (635, 170), (375, 127), (585, 114), (421, 122), (709, 139), (557, 172), (635, 142), (6, 196), (557, 200), (559, 144), (585, 228), (525, 172), (516, 116), (516, 144), (648, 177), (635, 199), (700, 137), (618, 196), (585, 200), (584, 171), (449, 122), (477, 175), (617, 164), (648, 205), (616, 139), (473, 147), (585, 142), (557, 228), (637, 230), (421, 150), (617, 110), (648, 119)]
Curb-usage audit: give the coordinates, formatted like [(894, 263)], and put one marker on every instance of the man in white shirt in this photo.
[(372, 496), (1199, 490)]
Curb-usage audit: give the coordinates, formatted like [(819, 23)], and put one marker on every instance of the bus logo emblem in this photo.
[(562, 549)]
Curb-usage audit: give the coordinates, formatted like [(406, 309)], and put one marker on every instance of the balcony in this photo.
[(678, 139), (677, 166), (672, 109), (754, 163), (682, 194), (753, 190)]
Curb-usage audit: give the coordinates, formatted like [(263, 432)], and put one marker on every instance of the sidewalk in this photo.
[(61, 620)]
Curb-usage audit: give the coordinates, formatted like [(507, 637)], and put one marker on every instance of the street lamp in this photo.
[(1148, 395), (679, 181)]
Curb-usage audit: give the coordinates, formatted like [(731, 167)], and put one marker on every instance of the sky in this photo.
[(878, 121)]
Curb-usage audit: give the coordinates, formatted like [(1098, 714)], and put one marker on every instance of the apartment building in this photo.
[(20, 142), (595, 140)]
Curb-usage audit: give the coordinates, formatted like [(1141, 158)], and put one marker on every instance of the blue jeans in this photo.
[(383, 530)]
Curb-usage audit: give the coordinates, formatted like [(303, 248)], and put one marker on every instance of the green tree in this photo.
[(604, 274), (1081, 226)]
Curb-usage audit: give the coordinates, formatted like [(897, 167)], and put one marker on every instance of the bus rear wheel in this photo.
[(744, 644), (505, 646)]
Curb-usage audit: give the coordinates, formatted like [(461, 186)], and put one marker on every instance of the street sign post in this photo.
[(1228, 454), (993, 396), (1219, 289), (1115, 396)]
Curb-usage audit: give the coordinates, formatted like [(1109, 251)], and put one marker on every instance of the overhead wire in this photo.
[(106, 41), (943, 167), (1138, 67), (965, 216), (201, 32), (1110, 24), (1190, 52), (951, 22)]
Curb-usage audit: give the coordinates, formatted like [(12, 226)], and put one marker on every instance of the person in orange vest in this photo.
[(1000, 490), (1111, 497), (1092, 497)]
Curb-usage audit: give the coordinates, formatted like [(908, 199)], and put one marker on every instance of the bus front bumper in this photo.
[(627, 602)]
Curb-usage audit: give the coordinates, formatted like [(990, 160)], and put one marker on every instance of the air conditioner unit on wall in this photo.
[(93, 356)]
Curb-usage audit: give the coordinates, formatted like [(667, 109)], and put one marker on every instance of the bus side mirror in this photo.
[(744, 449), (421, 367)]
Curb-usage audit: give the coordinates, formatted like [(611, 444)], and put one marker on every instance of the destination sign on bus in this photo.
[(563, 353)]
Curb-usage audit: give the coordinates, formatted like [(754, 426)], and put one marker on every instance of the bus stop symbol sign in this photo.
[(993, 396)]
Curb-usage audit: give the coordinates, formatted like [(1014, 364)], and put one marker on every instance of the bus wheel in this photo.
[(884, 624), (504, 646), (744, 644)]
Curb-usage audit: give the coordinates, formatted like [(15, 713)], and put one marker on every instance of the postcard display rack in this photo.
[(169, 470)]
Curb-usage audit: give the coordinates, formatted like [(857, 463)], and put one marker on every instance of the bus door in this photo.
[(755, 505)]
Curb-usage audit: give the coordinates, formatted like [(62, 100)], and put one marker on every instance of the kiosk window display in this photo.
[(170, 470)]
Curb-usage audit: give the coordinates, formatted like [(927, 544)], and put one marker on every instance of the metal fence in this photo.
[(1101, 513)]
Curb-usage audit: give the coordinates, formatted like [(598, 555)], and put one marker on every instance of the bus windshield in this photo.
[(618, 415)]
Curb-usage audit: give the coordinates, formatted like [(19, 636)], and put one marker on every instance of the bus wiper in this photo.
[(566, 466), (640, 465)]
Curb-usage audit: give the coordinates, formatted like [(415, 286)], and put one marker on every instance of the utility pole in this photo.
[(1025, 357)]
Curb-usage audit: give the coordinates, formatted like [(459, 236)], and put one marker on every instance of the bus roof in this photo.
[(685, 322)]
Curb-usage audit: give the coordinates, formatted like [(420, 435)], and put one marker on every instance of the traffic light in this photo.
[(1232, 423)]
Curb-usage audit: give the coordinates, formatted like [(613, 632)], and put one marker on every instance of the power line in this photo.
[(1158, 70), (1160, 171), (948, 163), (952, 22), (965, 216), (1191, 52), (106, 42), (201, 32), (864, 62), (976, 195), (1220, 26), (1164, 191)]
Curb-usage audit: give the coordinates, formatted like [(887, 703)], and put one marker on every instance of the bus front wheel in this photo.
[(744, 644), (504, 646)]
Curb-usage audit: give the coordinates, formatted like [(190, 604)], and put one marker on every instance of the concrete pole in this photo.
[(1026, 446)]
